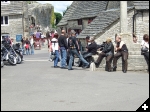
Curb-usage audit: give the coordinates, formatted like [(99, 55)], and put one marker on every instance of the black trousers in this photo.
[(108, 60), (124, 55), (146, 56)]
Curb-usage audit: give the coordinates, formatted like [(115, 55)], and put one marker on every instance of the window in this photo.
[(5, 2), (79, 21), (4, 20)]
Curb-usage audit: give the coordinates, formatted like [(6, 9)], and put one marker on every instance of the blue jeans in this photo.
[(72, 52), (28, 51), (23, 48), (57, 58), (63, 54), (32, 49)]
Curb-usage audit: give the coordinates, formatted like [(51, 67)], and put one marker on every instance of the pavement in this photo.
[(35, 85)]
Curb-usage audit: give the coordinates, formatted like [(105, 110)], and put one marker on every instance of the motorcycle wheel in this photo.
[(12, 59), (2, 63), (19, 60)]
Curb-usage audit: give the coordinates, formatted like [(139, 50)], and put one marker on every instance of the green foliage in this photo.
[(53, 18), (65, 10), (58, 17), (29, 2)]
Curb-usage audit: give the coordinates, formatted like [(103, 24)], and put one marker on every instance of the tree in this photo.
[(65, 10), (53, 18), (58, 17)]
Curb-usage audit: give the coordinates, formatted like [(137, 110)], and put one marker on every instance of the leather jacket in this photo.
[(108, 49)]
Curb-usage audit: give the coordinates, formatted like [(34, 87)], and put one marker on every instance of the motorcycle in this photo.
[(7, 56), (2, 63), (19, 52)]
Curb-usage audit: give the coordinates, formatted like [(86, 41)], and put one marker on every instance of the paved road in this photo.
[(34, 85)]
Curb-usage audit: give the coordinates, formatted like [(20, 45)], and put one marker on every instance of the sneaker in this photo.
[(87, 66), (70, 69), (56, 66), (64, 68)]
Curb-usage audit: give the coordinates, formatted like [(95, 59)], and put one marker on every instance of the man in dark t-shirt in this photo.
[(63, 49)]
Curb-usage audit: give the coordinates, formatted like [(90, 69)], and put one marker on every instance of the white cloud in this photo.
[(59, 6)]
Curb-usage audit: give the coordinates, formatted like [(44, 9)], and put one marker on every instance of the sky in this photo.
[(59, 6)]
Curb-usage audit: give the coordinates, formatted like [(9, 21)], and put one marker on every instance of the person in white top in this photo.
[(145, 45), (32, 44), (55, 49)]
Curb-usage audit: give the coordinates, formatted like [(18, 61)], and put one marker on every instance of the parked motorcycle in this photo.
[(7, 55), (2, 63), (19, 51)]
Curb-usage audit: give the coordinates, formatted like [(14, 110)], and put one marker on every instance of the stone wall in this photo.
[(73, 24), (142, 24), (15, 26), (136, 61), (115, 29), (116, 4), (85, 23)]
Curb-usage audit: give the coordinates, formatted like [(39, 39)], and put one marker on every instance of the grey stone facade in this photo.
[(15, 26), (14, 11)]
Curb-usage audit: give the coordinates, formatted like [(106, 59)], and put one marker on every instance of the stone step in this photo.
[(135, 62)]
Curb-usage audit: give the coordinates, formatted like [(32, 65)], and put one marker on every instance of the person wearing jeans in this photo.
[(145, 44), (72, 52), (55, 49), (31, 44), (63, 53), (63, 49), (73, 48)]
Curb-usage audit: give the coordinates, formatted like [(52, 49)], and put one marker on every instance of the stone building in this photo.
[(13, 17), (102, 19)]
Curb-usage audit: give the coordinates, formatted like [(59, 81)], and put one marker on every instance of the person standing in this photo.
[(145, 45), (122, 51), (63, 49), (23, 41), (32, 44), (27, 46), (73, 48), (55, 49)]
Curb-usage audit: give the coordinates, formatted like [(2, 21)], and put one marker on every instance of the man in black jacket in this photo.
[(73, 48), (63, 49), (108, 52)]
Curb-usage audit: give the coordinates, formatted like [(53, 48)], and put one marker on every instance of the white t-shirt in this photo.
[(145, 44), (54, 42), (31, 41), (42, 36)]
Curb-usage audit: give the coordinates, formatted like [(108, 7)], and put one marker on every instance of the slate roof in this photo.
[(88, 9), (14, 8), (141, 5), (69, 12), (83, 9), (98, 25)]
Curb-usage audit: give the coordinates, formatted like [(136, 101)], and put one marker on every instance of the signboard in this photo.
[(18, 38)]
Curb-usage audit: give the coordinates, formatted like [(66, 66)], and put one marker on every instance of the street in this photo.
[(35, 85)]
